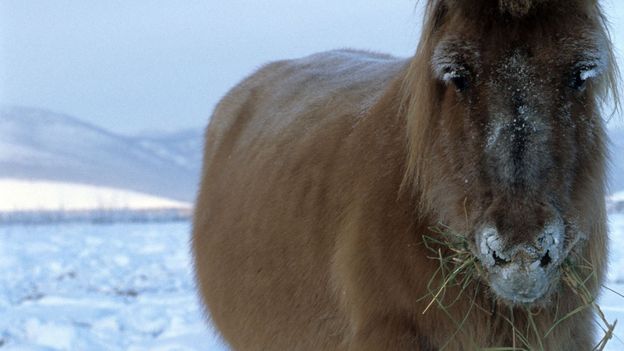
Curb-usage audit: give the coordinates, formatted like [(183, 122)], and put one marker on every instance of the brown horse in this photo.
[(325, 176)]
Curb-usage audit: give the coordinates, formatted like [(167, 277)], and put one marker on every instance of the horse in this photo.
[(331, 184)]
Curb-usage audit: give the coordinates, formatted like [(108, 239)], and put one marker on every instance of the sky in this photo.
[(132, 66), (162, 65)]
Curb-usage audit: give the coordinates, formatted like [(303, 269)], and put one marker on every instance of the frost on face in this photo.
[(516, 131), (450, 59), (590, 72), (595, 63)]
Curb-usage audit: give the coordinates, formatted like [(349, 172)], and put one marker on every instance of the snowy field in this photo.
[(129, 287), (99, 287)]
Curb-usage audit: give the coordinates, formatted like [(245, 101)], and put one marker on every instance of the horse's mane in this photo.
[(422, 92)]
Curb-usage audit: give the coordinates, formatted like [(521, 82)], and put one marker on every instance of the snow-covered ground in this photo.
[(129, 287), (99, 287), (611, 302)]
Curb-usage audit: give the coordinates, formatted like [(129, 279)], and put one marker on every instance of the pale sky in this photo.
[(138, 65)]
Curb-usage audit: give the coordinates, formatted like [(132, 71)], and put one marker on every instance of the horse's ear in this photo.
[(517, 8)]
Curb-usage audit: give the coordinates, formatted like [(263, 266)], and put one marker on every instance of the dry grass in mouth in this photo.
[(461, 270)]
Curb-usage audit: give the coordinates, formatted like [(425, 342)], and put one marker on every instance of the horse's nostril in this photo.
[(499, 261), (546, 260)]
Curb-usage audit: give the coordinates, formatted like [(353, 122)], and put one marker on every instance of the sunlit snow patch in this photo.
[(24, 195)]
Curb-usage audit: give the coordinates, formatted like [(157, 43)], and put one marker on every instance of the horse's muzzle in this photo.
[(521, 273)]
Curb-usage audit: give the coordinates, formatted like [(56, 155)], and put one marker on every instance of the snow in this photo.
[(102, 287), (615, 202), (43, 145), (26, 195), (617, 197), (612, 303)]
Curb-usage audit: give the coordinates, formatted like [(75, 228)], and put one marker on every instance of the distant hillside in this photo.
[(183, 148), (23, 195), (40, 201), (39, 144)]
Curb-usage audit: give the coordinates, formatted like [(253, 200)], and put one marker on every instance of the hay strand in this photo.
[(458, 267)]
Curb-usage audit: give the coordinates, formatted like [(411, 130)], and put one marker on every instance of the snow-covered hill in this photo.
[(615, 203), (183, 148), (43, 145), (21, 195), (29, 202)]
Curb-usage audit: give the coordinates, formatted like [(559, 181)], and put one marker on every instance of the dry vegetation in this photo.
[(461, 270)]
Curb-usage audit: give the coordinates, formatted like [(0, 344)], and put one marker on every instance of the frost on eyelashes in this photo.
[(450, 58), (591, 69), (595, 63)]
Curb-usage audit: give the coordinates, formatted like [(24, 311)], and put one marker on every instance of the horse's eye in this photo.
[(582, 74), (460, 82), (578, 80), (456, 75)]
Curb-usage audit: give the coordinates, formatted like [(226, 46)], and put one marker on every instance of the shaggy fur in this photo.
[(517, 8), (322, 175)]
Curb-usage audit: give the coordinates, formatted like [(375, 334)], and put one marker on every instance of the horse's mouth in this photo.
[(526, 275), (518, 285)]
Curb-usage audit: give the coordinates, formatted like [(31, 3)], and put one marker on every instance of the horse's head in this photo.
[(518, 139)]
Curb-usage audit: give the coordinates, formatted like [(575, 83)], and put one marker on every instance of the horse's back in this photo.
[(283, 95), (273, 187)]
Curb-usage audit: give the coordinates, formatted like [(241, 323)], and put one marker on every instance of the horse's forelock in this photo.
[(515, 8)]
